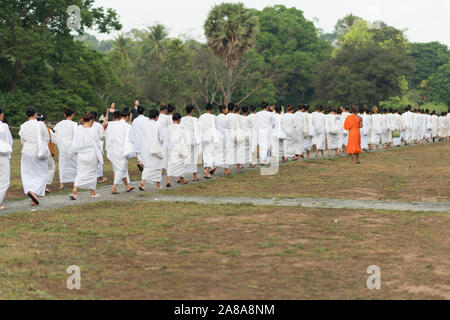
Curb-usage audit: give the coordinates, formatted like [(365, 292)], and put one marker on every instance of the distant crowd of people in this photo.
[(163, 140)]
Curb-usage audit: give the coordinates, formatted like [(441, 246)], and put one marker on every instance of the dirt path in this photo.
[(152, 195)]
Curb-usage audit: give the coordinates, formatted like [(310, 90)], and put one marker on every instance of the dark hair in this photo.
[(222, 107), (94, 114), (163, 107), (209, 106), (306, 107), (355, 109), (170, 108), (176, 116), (117, 114), (278, 108), (41, 117), (30, 111), (245, 109), (140, 110), (88, 117), (153, 114), (68, 112), (189, 108), (231, 107), (264, 105), (1, 111), (347, 108), (253, 108), (125, 113)]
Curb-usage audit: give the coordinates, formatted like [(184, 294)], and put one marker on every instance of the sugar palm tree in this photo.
[(231, 31)]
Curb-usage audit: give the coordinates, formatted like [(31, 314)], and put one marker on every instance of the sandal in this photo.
[(141, 188), (184, 182), (131, 189), (33, 198), (73, 197), (168, 185), (115, 193), (140, 167)]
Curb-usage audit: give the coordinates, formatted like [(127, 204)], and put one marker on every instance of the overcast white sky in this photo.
[(425, 21)]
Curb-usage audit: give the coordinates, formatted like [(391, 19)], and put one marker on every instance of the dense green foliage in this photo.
[(275, 54)]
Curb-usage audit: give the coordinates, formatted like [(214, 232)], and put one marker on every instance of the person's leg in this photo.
[(114, 189), (142, 185)]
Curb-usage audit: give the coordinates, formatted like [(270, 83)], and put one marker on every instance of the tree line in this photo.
[(275, 55)]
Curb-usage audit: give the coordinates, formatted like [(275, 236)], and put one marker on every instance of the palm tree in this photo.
[(231, 31), (345, 24)]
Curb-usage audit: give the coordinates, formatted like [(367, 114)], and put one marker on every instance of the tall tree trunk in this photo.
[(16, 76), (229, 89)]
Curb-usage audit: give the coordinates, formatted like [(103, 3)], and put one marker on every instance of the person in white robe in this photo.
[(399, 128), (448, 125), (51, 161), (434, 126), (443, 126), (152, 153), (253, 137), (408, 121), (6, 145), (300, 119), (332, 130), (164, 121), (235, 143), (85, 146), (288, 125), (100, 130), (265, 123), (220, 149), (365, 130), (386, 133), (208, 132), (428, 126), (376, 129), (247, 131), (65, 131), (116, 136), (35, 153), (192, 140), (137, 134), (416, 129), (319, 123), (278, 137), (177, 151), (309, 131)]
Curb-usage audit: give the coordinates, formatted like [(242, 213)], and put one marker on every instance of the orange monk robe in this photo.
[(353, 124)]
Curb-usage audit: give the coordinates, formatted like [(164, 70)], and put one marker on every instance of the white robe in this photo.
[(376, 129), (253, 139), (85, 145), (309, 131), (265, 123), (434, 125), (345, 114), (319, 130), (220, 149), (176, 150), (207, 126), (386, 133), (51, 161), (152, 152), (249, 137), (115, 136), (443, 127), (5, 136), (65, 131), (235, 143), (193, 143), (137, 134), (365, 131), (300, 119), (278, 137), (100, 130), (332, 131), (288, 125), (164, 121), (408, 120), (34, 171)]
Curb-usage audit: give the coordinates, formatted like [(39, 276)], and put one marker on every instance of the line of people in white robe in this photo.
[(216, 141)]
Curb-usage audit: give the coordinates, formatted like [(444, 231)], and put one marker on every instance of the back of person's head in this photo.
[(176, 116), (170, 108), (306, 107), (253, 108), (163, 107), (68, 112), (30, 111), (339, 111), (209, 107), (245, 109), (347, 108), (153, 114), (290, 108), (125, 113), (222, 108), (355, 109), (278, 108), (231, 107), (264, 105), (94, 114), (140, 110), (117, 114), (88, 117), (189, 108)]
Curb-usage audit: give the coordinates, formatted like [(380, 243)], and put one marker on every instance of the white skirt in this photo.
[(208, 154), (333, 141), (4, 177), (34, 173), (319, 141), (67, 167), (176, 167), (87, 165), (299, 142), (51, 170)]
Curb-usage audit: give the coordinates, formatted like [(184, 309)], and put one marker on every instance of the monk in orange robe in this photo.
[(352, 124)]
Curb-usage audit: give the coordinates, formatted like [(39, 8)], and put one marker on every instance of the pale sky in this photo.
[(425, 21)]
